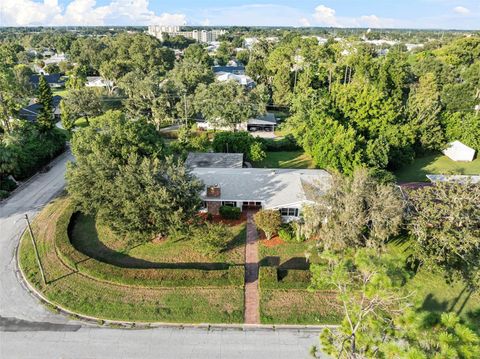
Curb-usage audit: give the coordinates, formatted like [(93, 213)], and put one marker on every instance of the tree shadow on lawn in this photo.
[(96, 249)]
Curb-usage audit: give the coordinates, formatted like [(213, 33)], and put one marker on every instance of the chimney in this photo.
[(213, 191)]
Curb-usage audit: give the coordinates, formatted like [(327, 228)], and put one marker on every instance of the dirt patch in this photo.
[(159, 240)]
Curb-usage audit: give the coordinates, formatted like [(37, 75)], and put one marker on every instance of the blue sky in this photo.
[(446, 14)]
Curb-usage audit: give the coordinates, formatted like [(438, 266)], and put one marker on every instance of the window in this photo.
[(291, 212), (229, 203)]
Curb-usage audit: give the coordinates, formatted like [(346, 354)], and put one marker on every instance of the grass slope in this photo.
[(78, 292)]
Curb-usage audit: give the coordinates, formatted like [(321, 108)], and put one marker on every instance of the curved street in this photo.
[(29, 330)]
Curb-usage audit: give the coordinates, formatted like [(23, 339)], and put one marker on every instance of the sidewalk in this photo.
[(252, 295)]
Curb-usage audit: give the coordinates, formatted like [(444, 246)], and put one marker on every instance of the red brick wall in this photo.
[(214, 207)]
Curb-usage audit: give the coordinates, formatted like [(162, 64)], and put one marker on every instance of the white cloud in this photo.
[(461, 10), (83, 12), (325, 16), (250, 15), (304, 22), (375, 21)]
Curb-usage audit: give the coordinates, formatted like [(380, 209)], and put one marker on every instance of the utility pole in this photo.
[(36, 250), (185, 101)]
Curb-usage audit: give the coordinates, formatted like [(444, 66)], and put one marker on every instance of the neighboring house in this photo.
[(263, 123), (98, 81), (55, 59), (30, 113), (243, 80), (454, 178), (53, 80), (39, 70), (287, 190), (457, 151), (236, 70), (214, 160)]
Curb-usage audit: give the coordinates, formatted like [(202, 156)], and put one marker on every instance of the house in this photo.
[(214, 160), (31, 112), (287, 190), (236, 70), (266, 123), (53, 80), (457, 151), (263, 123), (98, 81), (55, 59), (243, 80)]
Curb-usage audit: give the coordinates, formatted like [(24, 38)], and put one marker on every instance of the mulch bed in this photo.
[(229, 222), (273, 242)]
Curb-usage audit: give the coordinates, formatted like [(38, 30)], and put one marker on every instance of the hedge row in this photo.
[(274, 278), (154, 277)]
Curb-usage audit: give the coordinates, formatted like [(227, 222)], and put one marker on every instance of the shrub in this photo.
[(257, 152), (233, 142), (288, 143), (269, 221), (228, 212), (212, 237), (286, 234), (7, 184), (4, 194)]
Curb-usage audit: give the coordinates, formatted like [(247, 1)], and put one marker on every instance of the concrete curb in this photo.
[(115, 324)]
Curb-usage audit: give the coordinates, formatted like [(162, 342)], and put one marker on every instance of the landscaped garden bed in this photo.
[(163, 281)]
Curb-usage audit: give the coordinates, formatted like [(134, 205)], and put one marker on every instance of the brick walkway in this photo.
[(252, 296)]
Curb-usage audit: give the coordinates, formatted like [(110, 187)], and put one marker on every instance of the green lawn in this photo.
[(436, 295), (432, 292), (284, 159), (60, 92), (88, 286), (435, 164), (98, 241)]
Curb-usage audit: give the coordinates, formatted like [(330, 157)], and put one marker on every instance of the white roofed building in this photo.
[(287, 190), (457, 151), (243, 80)]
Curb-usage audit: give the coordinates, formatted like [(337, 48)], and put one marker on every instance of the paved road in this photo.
[(29, 331)]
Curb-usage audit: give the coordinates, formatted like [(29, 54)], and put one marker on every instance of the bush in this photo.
[(239, 142), (7, 184), (212, 237), (233, 142), (269, 221), (228, 212), (4, 194), (257, 152), (291, 232), (288, 143), (286, 234)]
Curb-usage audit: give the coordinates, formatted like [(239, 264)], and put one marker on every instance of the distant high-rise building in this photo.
[(159, 32)]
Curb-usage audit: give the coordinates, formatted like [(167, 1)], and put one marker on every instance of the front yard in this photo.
[(108, 282)]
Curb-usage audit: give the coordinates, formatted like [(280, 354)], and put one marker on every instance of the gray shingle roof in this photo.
[(214, 160), (273, 187)]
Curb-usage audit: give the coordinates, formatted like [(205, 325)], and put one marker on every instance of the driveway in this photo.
[(28, 330)]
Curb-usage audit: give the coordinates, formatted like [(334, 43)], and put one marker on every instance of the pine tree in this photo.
[(45, 117)]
